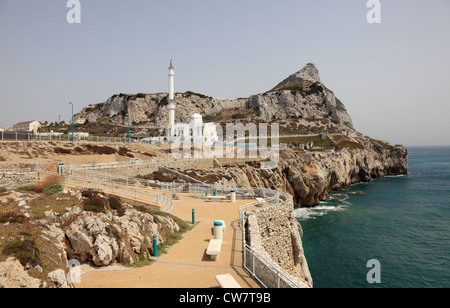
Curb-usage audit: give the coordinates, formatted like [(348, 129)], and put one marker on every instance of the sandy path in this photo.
[(186, 264)]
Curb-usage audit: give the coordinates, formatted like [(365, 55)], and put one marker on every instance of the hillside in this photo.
[(300, 98)]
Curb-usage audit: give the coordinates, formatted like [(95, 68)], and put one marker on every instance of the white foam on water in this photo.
[(313, 212)]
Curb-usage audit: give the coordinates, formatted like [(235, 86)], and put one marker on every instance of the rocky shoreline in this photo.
[(310, 177)]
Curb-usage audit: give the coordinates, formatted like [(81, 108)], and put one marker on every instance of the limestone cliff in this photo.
[(301, 95), (310, 176)]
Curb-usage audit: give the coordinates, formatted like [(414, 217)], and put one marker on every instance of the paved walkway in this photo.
[(186, 264)]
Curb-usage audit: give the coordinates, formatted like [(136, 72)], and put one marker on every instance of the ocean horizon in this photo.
[(401, 221)]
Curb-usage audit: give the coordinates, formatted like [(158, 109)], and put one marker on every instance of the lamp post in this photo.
[(72, 119), (128, 116)]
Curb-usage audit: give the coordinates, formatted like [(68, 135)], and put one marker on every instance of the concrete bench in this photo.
[(211, 198), (214, 249), (227, 282)]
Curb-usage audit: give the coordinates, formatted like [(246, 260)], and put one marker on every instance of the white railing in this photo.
[(137, 193)]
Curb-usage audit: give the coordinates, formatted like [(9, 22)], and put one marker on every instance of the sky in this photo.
[(393, 76)]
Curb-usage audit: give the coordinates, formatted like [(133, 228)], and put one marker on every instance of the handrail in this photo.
[(133, 192)]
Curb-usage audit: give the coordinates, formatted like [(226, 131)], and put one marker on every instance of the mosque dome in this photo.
[(197, 118)]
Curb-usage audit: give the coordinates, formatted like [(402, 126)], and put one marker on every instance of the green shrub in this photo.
[(114, 202), (53, 189), (2, 158), (25, 251), (93, 202)]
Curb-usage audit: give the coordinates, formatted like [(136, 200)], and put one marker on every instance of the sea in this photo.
[(393, 232)]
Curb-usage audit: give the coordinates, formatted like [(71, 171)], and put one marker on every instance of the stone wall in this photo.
[(274, 234), (183, 164), (12, 180)]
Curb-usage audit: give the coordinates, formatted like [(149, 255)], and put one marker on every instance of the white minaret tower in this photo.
[(170, 131)]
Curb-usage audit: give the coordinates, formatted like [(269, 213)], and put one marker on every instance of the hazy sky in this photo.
[(393, 77)]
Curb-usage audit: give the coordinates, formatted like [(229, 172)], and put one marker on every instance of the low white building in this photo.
[(196, 131), (28, 126), (1, 129)]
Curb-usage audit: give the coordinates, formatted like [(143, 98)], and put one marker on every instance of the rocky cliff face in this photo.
[(310, 177), (301, 95), (145, 108)]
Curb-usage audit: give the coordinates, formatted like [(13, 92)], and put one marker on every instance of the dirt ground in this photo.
[(36, 152)]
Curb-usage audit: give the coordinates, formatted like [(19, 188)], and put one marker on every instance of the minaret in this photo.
[(170, 131)]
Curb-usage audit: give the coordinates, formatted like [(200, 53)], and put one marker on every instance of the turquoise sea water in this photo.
[(403, 221)]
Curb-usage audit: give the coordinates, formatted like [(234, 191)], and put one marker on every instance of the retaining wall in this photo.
[(12, 180), (275, 234)]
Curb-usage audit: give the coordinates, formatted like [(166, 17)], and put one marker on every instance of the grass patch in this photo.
[(12, 217), (349, 145), (385, 145), (53, 189), (24, 250), (316, 140), (2, 158), (26, 189)]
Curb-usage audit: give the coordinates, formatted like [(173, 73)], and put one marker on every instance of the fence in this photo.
[(108, 186), (15, 136)]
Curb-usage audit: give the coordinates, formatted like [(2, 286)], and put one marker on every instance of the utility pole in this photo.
[(128, 127), (72, 120), (59, 128)]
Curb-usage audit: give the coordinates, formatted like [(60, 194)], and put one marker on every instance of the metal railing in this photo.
[(107, 186)]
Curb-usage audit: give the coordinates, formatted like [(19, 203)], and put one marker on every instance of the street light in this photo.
[(128, 116), (72, 119)]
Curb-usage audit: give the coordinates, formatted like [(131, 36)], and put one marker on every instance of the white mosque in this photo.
[(196, 132)]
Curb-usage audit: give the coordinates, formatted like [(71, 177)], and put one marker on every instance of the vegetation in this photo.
[(59, 150), (317, 141), (53, 189), (346, 144), (2, 158), (24, 250), (385, 145), (12, 217)]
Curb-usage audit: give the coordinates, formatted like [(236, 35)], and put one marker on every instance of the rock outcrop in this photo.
[(13, 275), (112, 236), (310, 177), (301, 95), (107, 238)]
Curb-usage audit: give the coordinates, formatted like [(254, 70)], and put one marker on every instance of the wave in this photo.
[(303, 214)]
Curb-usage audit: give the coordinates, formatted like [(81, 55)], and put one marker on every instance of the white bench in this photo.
[(227, 282), (210, 198), (214, 249)]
